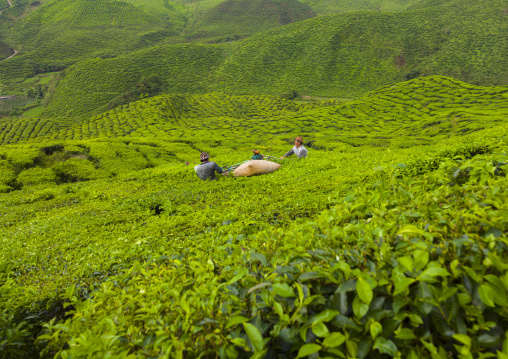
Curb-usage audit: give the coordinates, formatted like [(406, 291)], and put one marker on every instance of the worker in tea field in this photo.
[(256, 155), (206, 170), (299, 150)]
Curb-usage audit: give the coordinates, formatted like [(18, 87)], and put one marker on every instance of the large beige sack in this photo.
[(255, 167)]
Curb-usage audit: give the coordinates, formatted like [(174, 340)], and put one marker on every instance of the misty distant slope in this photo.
[(247, 17)]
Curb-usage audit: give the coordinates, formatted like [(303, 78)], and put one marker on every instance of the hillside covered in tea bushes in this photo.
[(389, 240), (341, 56), (409, 113)]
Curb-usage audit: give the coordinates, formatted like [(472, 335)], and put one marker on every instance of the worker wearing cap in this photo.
[(206, 170), (298, 149), (256, 155)]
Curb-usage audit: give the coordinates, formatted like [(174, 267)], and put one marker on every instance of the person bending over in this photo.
[(299, 150), (206, 170)]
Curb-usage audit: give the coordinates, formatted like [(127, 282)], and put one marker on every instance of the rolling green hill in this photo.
[(389, 239), (241, 18), (405, 114), (347, 55), (173, 11), (335, 56), (184, 68), (63, 32)]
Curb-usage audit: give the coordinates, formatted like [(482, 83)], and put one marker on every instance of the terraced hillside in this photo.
[(389, 240), (347, 55), (411, 113), (173, 11), (183, 68), (53, 37)]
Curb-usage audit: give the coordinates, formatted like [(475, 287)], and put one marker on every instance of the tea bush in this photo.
[(35, 176), (74, 170), (398, 265)]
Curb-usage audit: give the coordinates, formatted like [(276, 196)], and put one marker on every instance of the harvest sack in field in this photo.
[(255, 167)]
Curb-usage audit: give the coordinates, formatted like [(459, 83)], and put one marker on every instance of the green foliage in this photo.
[(374, 261), (4, 4), (409, 113), (36, 175), (15, 106), (182, 68), (342, 56), (173, 11), (75, 170), (347, 55), (147, 86), (61, 33), (390, 239), (7, 175)]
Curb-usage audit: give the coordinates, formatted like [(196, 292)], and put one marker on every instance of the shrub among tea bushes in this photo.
[(76, 170), (37, 175)]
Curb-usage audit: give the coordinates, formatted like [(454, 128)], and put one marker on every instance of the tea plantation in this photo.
[(340, 56), (389, 240)]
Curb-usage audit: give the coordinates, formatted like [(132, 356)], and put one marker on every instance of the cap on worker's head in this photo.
[(204, 156), (256, 151), (299, 139)]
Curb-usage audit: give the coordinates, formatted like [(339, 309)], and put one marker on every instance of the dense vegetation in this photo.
[(389, 240), (63, 32), (349, 54)]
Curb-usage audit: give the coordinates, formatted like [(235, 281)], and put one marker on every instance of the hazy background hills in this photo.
[(251, 47), (340, 56)]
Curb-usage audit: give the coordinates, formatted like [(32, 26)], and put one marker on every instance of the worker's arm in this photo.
[(289, 153), (217, 168)]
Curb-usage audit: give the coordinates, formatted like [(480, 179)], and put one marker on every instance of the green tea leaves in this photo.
[(236, 320), (364, 290), (254, 336), (486, 294), (334, 340), (283, 289), (308, 349)]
